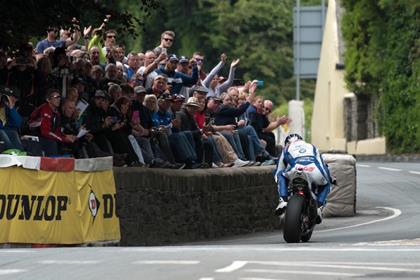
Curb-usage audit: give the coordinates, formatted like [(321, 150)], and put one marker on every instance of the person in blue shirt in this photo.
[(51, 40), (176, 79), (10, 120), (299, 154), (175, 145)]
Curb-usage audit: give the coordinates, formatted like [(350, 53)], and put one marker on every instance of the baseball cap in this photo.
[(183, 59), (165, 97), (215, 98), (177, 97), (139, 89), (173, 57), (77, 80), (159, 77), (103, 94), (192, 101), (199, 89), (10, 92)]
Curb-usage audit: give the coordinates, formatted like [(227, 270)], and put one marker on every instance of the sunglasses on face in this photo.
[(56, 96), (168, 39), (110, 36)]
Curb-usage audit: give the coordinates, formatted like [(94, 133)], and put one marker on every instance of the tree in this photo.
[(258, 32), (25, 19), (383, 59)]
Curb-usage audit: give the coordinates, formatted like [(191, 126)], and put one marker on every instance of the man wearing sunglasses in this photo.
[(110, 37), (51, 40), (45, 121), (166, 41)]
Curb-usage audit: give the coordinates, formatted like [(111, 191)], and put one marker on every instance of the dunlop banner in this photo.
[(57, 207), (98, 205)]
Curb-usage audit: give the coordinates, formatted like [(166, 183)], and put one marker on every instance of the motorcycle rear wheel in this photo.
[(292, 230), (307, 236)]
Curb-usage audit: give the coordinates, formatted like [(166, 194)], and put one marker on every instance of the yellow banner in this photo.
[(98, 205), (57, 207)]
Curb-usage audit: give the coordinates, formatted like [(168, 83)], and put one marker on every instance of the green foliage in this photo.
[(257, 32), (383, 58), (26, 19)]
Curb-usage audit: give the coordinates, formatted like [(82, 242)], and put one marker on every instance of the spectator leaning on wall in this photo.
[(46, 120)]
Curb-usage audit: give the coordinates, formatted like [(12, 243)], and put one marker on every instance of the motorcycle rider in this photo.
[(297, 154)]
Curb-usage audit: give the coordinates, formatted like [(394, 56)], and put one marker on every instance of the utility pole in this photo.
[(298, 49)]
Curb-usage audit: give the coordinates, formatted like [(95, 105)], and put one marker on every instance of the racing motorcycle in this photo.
[(301, 212)]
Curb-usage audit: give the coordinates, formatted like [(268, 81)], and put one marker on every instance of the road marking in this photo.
[(166, 262), (325, 273), (400, 242), (414, 172), (206, 278), (11, 271), (234, 266), (67, 262), (363, 165), (396, 213), (253, 278), (371, 263), (350, 265), (389, 169), (242, 248), (16, 251)]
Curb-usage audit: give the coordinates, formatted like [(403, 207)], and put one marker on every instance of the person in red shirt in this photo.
[(46, 120)]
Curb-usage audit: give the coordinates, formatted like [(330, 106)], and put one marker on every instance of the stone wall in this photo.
[(360, 120), (158, 206)]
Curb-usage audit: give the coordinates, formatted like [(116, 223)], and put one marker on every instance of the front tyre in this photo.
[(292, 230)]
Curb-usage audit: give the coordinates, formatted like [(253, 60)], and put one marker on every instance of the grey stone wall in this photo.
[(158, 206), (360, 120)]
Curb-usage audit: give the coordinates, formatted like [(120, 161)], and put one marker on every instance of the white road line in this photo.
[(414, 172), (363, 165), (253, 278), (400, 242), (234, 266), (389, 169), (166, 262), (71, 262), (371, 263), (241, 248), (7, 251), (396, 213), (304, 272), (366, 266), (206, 278), (11, 271)]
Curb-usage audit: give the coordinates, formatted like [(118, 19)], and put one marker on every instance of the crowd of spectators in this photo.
[(153, 108)]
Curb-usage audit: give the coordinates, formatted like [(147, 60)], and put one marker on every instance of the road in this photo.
[(381, 242)]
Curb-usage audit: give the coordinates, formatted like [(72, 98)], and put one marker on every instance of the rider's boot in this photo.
[(319, 215), (281, 207)]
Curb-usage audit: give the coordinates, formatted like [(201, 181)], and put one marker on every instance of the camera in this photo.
[(106, 19), (114, 120), (4, 95), (4, 99)]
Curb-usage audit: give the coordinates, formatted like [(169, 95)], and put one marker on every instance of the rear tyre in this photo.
[(307, 236), (292, 231)]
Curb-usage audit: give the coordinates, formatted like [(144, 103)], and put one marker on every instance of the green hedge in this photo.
[(383, 58)]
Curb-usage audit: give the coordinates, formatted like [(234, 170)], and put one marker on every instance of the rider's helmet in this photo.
[(292, 138)]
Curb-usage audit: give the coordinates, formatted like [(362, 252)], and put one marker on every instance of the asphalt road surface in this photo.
[(381, 242)]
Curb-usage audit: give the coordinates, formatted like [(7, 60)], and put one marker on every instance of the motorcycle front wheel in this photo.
[(292, 230)]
